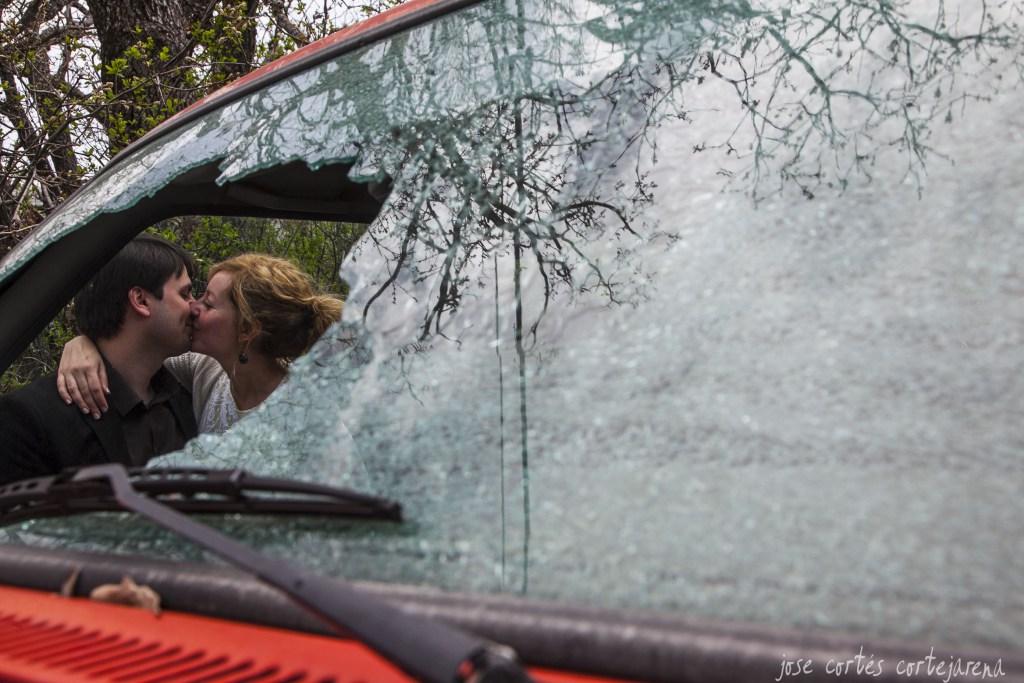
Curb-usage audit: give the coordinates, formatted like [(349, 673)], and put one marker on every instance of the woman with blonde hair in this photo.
[(258, 314)]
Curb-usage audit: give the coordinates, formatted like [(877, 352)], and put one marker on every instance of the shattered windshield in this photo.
[(705, 307)]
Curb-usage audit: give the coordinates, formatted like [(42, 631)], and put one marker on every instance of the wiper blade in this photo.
[(189, 490), (425, 649)]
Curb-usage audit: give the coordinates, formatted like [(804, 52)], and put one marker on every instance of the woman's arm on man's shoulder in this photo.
[(82, 377)]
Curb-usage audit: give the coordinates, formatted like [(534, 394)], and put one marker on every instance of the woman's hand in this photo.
[(82, 377)]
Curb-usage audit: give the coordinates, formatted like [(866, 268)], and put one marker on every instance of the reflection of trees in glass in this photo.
[(506, 192), (550, 178), (828, 88), (504, 183), (823, 91)]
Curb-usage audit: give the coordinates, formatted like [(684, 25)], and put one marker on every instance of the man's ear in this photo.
[(139, 301)]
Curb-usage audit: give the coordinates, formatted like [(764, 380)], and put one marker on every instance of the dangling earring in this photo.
[(243, 358)]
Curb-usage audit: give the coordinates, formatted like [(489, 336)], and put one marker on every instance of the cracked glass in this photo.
[(708, 308)]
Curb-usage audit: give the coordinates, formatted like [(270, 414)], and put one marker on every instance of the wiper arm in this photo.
[(427, 650), (190, 490)]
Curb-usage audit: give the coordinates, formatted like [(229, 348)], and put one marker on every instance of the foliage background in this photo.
[(80, 80)]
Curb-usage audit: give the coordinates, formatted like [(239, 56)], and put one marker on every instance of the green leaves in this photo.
[(317, 247)]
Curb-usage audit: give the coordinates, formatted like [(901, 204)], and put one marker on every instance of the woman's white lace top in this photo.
[(212, 402)]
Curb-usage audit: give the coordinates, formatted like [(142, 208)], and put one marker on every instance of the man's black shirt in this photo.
[(40, 434), (150, 429)]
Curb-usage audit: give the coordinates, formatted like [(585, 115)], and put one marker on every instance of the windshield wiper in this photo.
[(425, 649), (190, 490)]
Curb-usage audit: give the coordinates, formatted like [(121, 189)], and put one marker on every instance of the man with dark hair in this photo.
[(137, 309)]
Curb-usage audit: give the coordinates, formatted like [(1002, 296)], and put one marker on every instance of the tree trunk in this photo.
[(144, 91)]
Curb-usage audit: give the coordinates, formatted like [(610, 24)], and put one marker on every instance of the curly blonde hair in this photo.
[(278, 300)]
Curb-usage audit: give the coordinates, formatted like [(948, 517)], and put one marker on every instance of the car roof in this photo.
[(404, 16)]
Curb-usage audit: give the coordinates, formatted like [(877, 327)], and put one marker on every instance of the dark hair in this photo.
[(147, 261)]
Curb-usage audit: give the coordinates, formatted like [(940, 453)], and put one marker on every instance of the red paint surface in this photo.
[(48, 638)]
